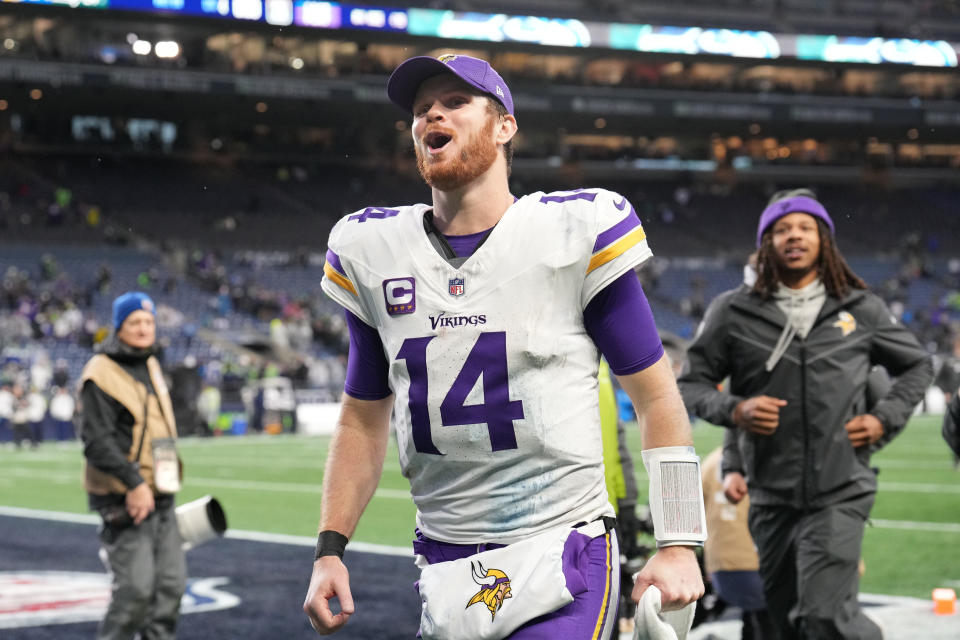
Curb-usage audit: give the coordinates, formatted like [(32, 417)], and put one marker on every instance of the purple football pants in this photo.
[(592, 570)]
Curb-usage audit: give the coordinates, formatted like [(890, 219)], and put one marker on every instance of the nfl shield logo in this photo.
[(456, 286)]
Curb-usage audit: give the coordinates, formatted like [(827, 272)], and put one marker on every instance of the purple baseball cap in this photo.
[(406, 79), (796, 204)]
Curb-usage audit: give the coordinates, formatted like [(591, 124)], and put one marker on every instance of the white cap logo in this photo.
[(500, 91)]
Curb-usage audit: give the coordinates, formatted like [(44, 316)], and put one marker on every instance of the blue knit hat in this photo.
[(129, 302)]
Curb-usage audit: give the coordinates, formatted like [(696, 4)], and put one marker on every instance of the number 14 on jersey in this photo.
[(487, 358)]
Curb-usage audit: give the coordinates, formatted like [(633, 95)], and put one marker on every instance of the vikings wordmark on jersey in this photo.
[(493, 373)]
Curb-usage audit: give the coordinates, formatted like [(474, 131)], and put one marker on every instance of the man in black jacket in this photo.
[(798, 346), (131, 474)]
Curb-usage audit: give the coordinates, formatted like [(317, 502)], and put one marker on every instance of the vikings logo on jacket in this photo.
[(492, 594), (846, 323)]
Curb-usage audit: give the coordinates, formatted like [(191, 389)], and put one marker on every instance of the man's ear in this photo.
[(506, 129)]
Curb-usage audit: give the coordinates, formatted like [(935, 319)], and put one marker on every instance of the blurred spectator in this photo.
[(184, 391), (36, 412), (62, 406), (6, 410), (41, 371), (730, 557), (104, 278), (61, 373), (20, 417), (208, 406)]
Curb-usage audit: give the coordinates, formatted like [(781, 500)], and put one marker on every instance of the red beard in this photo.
[(476, 157)]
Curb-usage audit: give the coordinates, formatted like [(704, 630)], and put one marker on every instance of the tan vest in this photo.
[(113, 380), (729, 546)]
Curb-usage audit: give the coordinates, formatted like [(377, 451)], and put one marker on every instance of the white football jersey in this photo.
[(494, 374)]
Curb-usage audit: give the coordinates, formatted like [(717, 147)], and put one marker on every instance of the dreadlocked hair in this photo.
[(837, 276)]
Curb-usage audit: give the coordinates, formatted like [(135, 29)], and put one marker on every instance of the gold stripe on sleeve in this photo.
[(336, 277), (620, 246)]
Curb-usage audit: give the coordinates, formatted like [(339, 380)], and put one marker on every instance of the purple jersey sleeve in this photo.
[(367, 365), (620, 322)]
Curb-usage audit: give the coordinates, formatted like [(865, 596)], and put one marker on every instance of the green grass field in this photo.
[(272, 484)]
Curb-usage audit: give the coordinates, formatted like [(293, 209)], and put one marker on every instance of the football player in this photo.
[(477, 321)]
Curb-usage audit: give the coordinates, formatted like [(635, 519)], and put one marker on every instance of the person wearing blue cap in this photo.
[(132, 473), (798, 346), (478, 320)]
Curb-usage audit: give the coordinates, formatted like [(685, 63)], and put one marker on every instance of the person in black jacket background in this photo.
[(951, 424), (798, 346), (132, 473)]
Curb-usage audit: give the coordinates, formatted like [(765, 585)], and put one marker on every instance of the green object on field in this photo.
[(224, 420)]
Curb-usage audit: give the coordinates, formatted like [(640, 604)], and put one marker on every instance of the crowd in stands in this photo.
[(233, 311)]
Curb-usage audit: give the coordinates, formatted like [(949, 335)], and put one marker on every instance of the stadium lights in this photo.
[(9, 44), (296, 63), (141, 47), (108, 55), (167, 49), (501, 27)]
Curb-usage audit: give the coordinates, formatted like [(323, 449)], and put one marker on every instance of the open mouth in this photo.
[(436, 140), (795, 252)]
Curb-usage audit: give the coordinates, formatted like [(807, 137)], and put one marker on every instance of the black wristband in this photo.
[(331, 543)]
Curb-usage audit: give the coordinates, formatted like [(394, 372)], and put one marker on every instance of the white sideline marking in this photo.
[(307, 541), (945, 527), (222, 483), (919, 487), (203, 460), (63, 516), (255, 536), (59, 516), (919, 465), (399, 494)]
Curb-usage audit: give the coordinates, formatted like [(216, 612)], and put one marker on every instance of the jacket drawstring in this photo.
[(793, 308), (789, 331)]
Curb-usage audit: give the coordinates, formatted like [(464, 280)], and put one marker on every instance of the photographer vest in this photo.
[(152, 418)]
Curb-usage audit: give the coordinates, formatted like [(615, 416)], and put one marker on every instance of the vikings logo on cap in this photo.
[(447, 58), (492, 594)]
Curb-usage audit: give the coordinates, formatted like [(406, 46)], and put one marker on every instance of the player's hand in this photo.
[(734, 487), (863, 430), (675, 572), (759, 415), (330, 578), (139, 502)]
